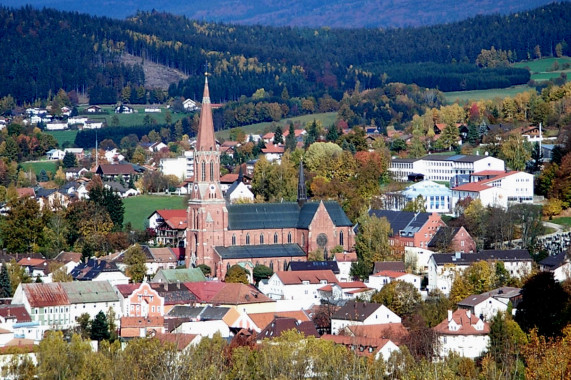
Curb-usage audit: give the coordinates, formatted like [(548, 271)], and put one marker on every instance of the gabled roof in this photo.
[(281, 215), (443, 236), (90, 270), (260, 251), (390, 273), (476, 299), (167, 214), (41, 295), (204, 291), (127, 289), (180, 275), (263, 319), (180, 341), (239, 294), (393, 331), (466, 321), (397, 266), (486, 255), (162, 255), (314, 265), (25, 192), (346, 257), (406, 222), (89, 292), (66, 257), (229, 178), (311, 276), (174, 294), (554, 262), (280, 325), (17, 312), (356, 311), (108, 169)]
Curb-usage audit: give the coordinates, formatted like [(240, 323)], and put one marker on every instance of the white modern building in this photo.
[(182, 167), (297, 285), (362, 313), (438, 167), (437, 197)]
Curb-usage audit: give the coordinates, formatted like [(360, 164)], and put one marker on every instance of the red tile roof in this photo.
[(467, 324), (346, 257), (393, 331), (312, 276), (487, 172), (25, 192), (239, 294), (130, 322), (352, 284), (390, 273), (18, 312), (109, 169), (204, 290), (167, 214), (472, 187), (229, 178), (127, 289), (263, 319), (270, 148), (27, 261), (352, 341), (181, 341)]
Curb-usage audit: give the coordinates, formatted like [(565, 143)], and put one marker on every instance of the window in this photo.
[(341, 238), (272, 265), (203, 174), (211, 171), (289, 237), (247, 239), (228, 267), (233, 239), (261, 238), (276, 238)]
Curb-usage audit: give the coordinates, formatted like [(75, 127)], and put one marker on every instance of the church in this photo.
[(220, 235)]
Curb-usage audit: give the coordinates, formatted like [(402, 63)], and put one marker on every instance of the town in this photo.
[(388, 233)]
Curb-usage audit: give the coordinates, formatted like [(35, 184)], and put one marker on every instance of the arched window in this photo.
[(261, 238), (247, 239), (341, 238), (234, 239), (271, 265), (203, 174), (303, 240), (211, 171), (289, 238), (276, 238), (285, 265), (227, 267)]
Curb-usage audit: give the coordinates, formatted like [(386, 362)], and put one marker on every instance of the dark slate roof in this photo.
[(314, 265), (486, 255), (356, 311), (553, 262), (281, 215), (476, 299), (455, 158), (174, 294), (187, 312), (89, 271), (213, 313), (443, 236), (280, 324), (405, 223), (44, 193), (260, 251)]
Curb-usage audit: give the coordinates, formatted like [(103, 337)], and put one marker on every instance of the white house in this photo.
[(462, 333), (239, 192), (204, 328), (124, 109), (152, 110), (55, 154), (189, 105), (297, 285), (94, 124), (559, 265), (380, 279), (487, 305), (438, 167), (91, 297), (362, 313), (344, 261), (345, 291), (443, 267), (496, 188), (56, 126), (77, 120)]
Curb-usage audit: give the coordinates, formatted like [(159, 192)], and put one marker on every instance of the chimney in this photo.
[(178, 284), (469, 314), (449, 315)]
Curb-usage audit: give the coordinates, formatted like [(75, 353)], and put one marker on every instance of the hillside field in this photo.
[(136, 118), (138, 209), (542, 69), (37, 166), (465, 96)]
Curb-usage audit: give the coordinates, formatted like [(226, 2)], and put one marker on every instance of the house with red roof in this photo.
[(141, 327), (377, 348), (345, 291), (140, 300), (273, 152), (462, 333), (298, 285), (362, 313), (496, 188), (169, 226)]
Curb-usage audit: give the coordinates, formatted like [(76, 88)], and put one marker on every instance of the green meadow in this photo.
[(138, 209)]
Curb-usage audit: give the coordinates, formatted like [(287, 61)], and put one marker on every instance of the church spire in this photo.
[(205, 140), (301, 192)]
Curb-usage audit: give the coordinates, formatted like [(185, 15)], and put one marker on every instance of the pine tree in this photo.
[(290, 142), (278, 136), (100, 327), (5, 285), (69, 160), (332, 134)]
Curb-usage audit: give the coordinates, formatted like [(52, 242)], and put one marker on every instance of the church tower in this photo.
[(207, 212)]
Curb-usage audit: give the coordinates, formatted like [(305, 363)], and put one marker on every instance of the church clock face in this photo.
[(322, 240)]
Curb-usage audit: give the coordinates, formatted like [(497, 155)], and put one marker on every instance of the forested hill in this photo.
[(45, 50), (311, 13)]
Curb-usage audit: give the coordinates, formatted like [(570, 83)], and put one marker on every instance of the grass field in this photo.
[(138, 209), (465, 96), (136, 118), (540, 69), (326, 119), (564, 221), (37, 166), (64, 136)]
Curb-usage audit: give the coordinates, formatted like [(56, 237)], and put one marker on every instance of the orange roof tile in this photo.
[(204, 290), (466, 323), (390, 273), (475, 187), (239, 294), (346, 256), (229, 178), (25, 192), (28, 261), (130, 322), (393, 331), (181, 341)]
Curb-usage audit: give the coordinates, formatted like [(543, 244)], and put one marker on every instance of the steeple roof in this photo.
[(205, 140)]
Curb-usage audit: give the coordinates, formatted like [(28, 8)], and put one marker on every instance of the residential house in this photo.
[(113, 156), (228, 180), (189, 105), (99, 270), (298, 285), (112, 172), (342, 291), (273, 153), (362, 313), (56, 126), (91, 298), (169, 226), (119, 189), (162, 258), (15, 318), (382, 278), (182, 342), (396, 332), (157, 146), (141, 327), (296, 266), (377, 348), (182, 167), (51, 198), (55, 154), (462, 333), (486, 305), (152, 110), (244, 298), (395, 266), (94, 124), (74, 173), (344, 262), (262, 320), (559, 265), (452, 239), (174, 294), (282, 324), (410, 229), (239, 192), (124, 109), (77, 152), (443, 267), (93, 109)]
